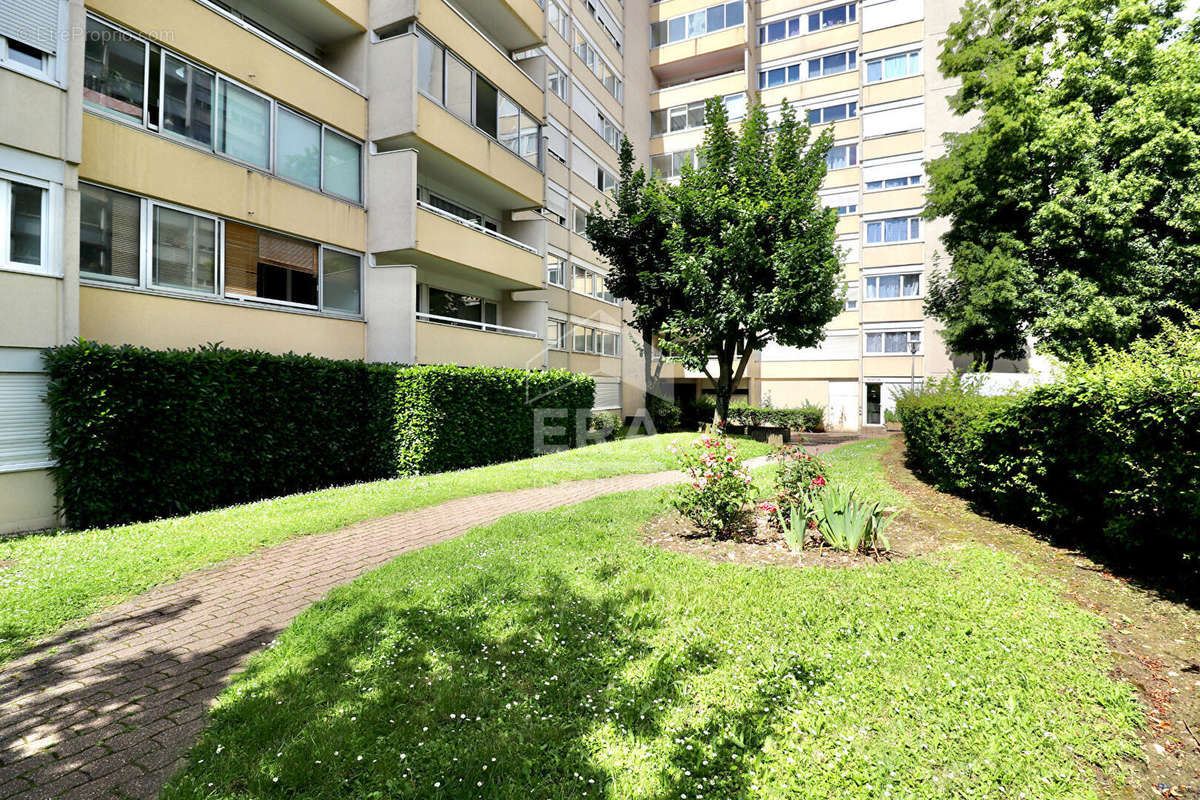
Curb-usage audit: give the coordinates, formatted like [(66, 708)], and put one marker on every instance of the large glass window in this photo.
[(898, 66), (343, 170), (185, 250), (342, 275), (890, 287), (452, 305), (430, 60), (842, 156), (298, 148), (508, 124), (833, 113), (109, 234), (187, 99), (892, 342), (697, 23), (244, 129), (897, 229), (114, 70), (458, 88), (487, 101), (833, 64), (25, 224)]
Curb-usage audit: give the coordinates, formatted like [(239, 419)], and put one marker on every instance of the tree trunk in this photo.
[(648, 368)]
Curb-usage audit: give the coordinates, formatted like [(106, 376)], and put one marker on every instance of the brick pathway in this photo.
[(108, 709)]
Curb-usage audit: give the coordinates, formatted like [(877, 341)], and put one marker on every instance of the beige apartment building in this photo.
[(408, 181)]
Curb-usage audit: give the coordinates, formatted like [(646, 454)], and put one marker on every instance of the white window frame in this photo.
[(903, 50), (564, 327), (148, 240), (564, 265), (47, 72), (891, 272), (907, 214), (50, 264), (910, 328)]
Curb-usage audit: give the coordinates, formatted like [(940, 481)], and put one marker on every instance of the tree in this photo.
[(984, 300), (633, 241), (753, 255), (1074, 202)]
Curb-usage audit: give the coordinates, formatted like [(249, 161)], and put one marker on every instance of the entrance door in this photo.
[(874, 404)]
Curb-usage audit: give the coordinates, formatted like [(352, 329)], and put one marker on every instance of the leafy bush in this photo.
[(808, 417), (139, 434), (607, 423), (450, 417), (665, 415), (800, 476), (718, 485), (1110, 450)]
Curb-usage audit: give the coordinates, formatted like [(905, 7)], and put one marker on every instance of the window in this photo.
[(670, 165), (842, 156), (456, 210), (891, 67), (343, 173), (692, 115), (697, 23), (596, 342), (114, 71), (22, 55), (187, 100), (851, 208), (184, 250), (109, 234), (556, 143), (892, 287), (25, 237), (556, 82), (896, 229), (557, 202), (605, 180), (244, 125), (487, 102), (592, 59), (816, 21), (556, 270), (123, 76), (831, 17), (430, 61), (459, 79), (269, 265), (778, 76), (451, 306), (558, 19), (579, 220), (341, 277), (590, 282), (851, 301), (833, 64), (834, 113), (893, 183), (556, 334), (298, 143), (892, 342)]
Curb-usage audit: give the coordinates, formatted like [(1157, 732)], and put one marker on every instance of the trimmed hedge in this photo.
[(139, 434), (809, 417), (1110, 451), (450, 417)]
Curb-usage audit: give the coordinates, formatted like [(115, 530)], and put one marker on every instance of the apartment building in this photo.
[(409, 180), (867, 70)]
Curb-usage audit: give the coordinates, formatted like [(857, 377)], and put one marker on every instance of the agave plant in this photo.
[(847, 523)]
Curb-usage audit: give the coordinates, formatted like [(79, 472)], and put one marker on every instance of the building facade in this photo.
[(409, 180)]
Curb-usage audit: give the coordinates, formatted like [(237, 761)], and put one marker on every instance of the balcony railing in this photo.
[(477, 227), (479, 326)]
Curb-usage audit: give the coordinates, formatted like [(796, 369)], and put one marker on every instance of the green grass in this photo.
[(858, 466), (47, 580), (554, 656)]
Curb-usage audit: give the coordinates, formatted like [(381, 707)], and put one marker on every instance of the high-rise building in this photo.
[(408, 181)]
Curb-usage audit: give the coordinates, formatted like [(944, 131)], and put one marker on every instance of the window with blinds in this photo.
[(270, 266), (31, 22), (109, 234)]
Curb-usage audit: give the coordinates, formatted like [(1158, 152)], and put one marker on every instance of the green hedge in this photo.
[(139, 434), (450, 417), (809, 417), (1110, 451)]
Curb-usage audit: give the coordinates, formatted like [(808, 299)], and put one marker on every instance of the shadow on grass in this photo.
[(494, 691)]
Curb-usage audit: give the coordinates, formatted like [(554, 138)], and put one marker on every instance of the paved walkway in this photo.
[(108, 709)]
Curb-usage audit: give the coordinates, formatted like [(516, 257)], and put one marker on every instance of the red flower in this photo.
[(818, 481)]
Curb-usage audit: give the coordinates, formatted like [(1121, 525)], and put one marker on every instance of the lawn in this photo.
[(47, 580), (553, 655)]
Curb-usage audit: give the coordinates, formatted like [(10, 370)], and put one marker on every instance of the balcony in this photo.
[(441, 340), (513, 24), (709, 53), (810, 42), (445, 242), (703, 89)]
